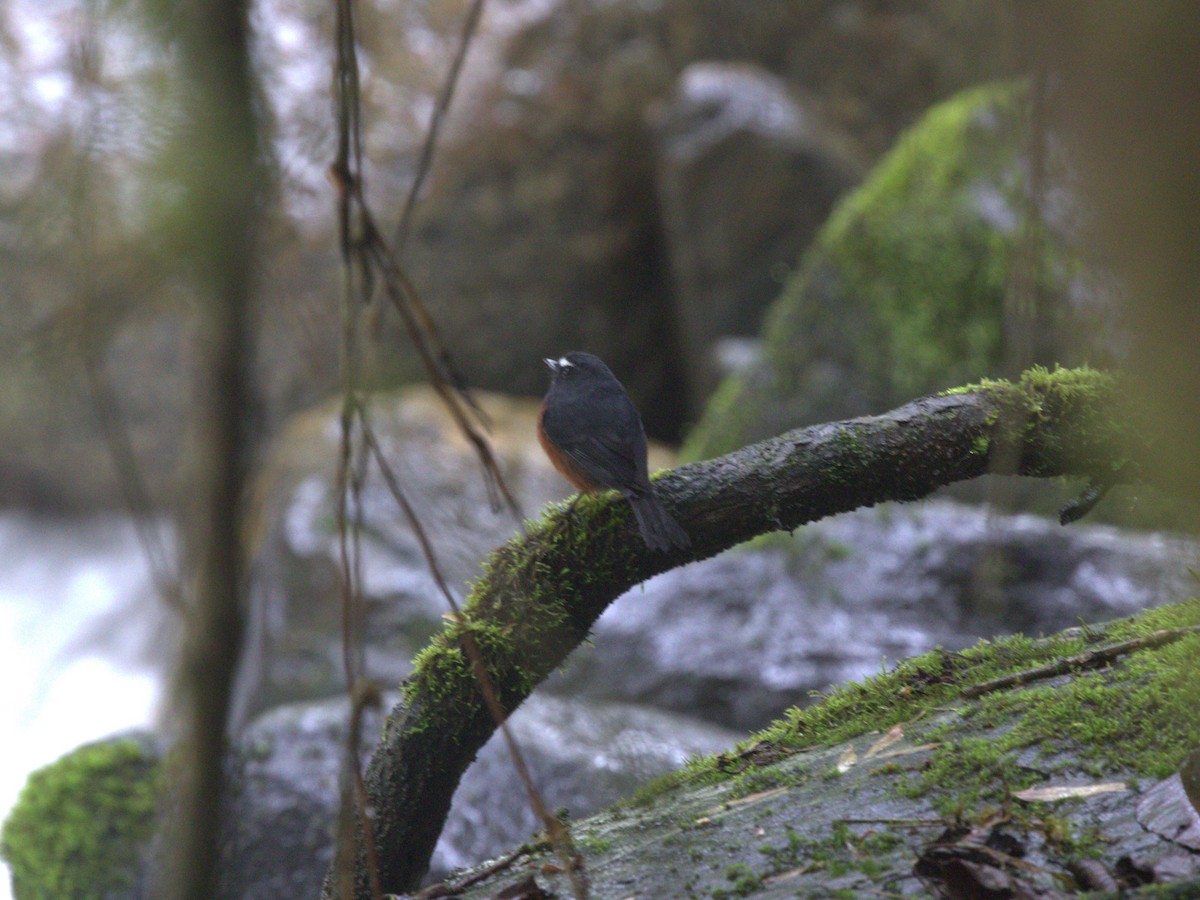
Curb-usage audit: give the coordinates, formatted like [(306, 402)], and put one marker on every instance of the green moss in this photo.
[(754, 780), (841, 852), (847, 460), (972, 776), (743, 882), (523, 608), (912, 250), (1090, 413), (1141, 716), (79, 822), (591, 844), (443, 671), (1070, 385)]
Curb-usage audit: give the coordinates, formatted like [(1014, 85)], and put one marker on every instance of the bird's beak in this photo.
[(551, 364)]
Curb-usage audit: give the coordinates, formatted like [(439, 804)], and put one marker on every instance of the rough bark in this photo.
[(540, 593)]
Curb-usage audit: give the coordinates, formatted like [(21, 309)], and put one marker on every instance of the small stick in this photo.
[(451, 890), (921, 823), (1087, 660)]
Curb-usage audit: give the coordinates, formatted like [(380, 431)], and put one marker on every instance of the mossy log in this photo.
[(539, 594)]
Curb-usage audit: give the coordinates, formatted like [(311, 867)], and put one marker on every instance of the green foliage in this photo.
[(79, 823)]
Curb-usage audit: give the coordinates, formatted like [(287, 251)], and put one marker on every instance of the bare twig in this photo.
[(347, 170), (453, 890), (1089, 659), (164, 574), (435, 125), (415, 305), (405, 299), (362, 248)]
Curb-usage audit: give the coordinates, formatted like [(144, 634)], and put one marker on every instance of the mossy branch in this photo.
[(540, 593)]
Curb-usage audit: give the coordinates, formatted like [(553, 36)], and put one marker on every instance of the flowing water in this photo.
[(81, 640)]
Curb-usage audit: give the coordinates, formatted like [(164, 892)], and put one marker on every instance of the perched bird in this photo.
[(593, 435)]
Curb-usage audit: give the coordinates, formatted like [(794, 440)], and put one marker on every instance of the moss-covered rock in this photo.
[(58, 846), (875, 787), (913, 282)]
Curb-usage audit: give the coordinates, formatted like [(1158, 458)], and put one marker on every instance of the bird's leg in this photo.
[(569, 517)]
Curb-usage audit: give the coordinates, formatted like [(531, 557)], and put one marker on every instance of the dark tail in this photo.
[(659, 530)]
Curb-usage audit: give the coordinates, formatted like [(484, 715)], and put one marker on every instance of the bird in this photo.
[(593, 435)]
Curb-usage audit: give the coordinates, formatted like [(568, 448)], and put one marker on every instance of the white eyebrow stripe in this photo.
[(564, 362)]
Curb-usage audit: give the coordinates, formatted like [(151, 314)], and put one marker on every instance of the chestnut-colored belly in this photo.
[(564, 464)]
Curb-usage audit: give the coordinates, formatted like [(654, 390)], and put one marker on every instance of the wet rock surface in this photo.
[(285, 783)]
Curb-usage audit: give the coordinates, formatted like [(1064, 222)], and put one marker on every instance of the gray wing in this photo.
[(613, 458)]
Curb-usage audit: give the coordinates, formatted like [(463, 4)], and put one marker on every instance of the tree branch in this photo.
[(541, 593)]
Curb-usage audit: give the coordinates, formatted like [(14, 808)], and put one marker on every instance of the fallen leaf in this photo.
[(785, 876), (847, 761), (1053, 793), (907, 751), (894, 735), (982, 863), (754, 798)]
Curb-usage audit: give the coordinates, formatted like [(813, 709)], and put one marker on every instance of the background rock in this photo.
[(547, 173), (540, 229), (747, 173), (583, 756)]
